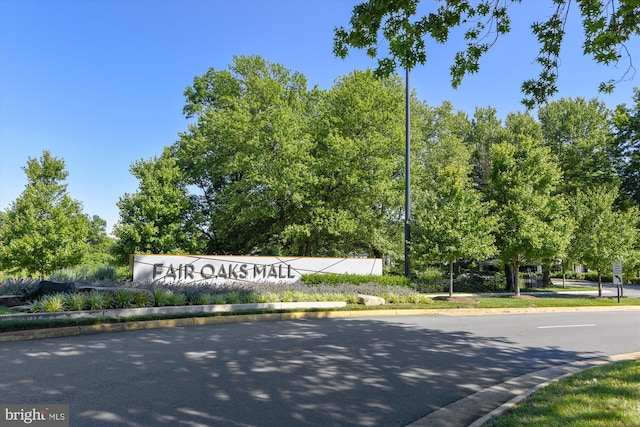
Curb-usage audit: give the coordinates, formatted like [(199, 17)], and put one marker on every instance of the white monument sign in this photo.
[(219, 269)]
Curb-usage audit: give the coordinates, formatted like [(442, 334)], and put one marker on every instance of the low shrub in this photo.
[(25, 287), (354, 279), (430, 274), (106, 272)]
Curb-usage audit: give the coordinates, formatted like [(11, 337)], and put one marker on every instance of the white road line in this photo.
[(567, 326)]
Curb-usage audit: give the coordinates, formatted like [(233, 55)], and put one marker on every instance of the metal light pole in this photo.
[(407, 178)]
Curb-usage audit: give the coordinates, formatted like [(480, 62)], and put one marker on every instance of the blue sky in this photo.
[(100, 83)]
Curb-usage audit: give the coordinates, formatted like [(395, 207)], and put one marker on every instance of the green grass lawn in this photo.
[(607, 396)]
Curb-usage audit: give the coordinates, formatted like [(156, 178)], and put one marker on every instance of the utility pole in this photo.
[(407, 178)]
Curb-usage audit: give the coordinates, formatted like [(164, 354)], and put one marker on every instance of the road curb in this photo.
[(477, 409), (571, 369)]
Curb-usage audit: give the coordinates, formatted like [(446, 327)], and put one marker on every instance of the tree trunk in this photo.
[(599, 283), (516, 276), (546, 276), (451, 277), (508, 274)]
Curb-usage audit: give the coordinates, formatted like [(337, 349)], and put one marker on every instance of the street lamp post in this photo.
[(407, 178)]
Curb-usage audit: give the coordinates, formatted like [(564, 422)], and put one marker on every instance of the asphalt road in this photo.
[(378, 371)]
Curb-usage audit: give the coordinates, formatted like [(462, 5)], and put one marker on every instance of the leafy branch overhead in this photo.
[(608, 25)]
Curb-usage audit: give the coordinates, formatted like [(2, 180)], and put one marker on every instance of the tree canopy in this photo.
[(608, 26), (44, 229), (522, 181), (451, 220), (158, 218), (606, 234), (269, 166)]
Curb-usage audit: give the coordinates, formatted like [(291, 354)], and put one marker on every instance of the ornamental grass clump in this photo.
[(161, 297), (266, 297), (75, 301), (233, 298), (419, 299), (142, 299), (206, 298), (122, 298), (392, 298), (96, 300), (50, 303), (352, 298), (106, 272), (251, 297), (220, 299), (177, 299), (293, 296)]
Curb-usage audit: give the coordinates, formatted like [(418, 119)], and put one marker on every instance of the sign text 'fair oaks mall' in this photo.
[(219, 269)]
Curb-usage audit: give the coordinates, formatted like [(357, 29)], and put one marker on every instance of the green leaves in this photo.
[(451, 220), (44, 229), (580, 134), (605, 233), (270, 167), (158, 218), (607, 27), (523, 178)]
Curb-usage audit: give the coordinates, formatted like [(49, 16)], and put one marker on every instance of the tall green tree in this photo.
[(627, 125), (451, 220), (486, 129), (280, 169), (44, 229), (159, 217), (247, 158), (100, 245), (531, 217), (581, 134), (358, 162), (608, 27), (606, 234)]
